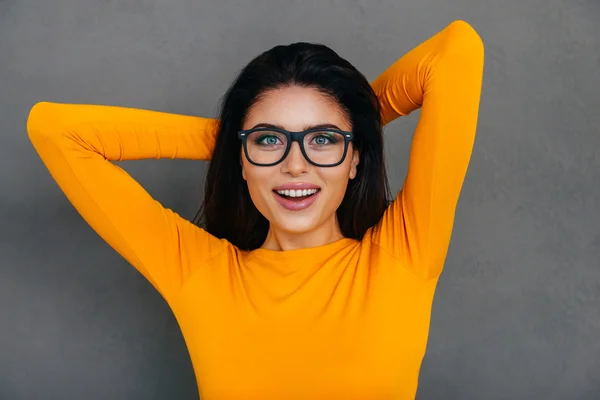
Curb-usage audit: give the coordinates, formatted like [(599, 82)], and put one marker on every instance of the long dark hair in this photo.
[(228, 211)]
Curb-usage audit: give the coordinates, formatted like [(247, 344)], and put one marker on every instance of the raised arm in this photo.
[(443, 75), (77, 144)]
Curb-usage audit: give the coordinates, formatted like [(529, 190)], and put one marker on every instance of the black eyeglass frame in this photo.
[(294, 137)]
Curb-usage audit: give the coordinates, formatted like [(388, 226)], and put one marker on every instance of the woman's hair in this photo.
[(228, 211)]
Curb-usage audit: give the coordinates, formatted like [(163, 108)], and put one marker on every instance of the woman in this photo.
[(304, 282)]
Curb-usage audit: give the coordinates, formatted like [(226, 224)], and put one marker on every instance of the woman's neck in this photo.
[(282, 240)]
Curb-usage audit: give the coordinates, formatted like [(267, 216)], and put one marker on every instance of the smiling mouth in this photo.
[(297, 195)]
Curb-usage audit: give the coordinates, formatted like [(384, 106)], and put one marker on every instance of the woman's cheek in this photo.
[(338, 182), (259, 192)]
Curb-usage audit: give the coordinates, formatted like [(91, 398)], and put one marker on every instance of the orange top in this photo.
[(347, 320)]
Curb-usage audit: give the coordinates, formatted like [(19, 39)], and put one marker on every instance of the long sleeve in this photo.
[(77, 144), (443, 77)]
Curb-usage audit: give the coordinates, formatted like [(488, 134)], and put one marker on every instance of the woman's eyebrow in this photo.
[(307, 127)]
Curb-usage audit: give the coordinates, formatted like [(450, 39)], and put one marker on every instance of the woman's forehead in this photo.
[(295, 107)]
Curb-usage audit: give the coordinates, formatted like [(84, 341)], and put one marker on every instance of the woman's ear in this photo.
[(354, 164)]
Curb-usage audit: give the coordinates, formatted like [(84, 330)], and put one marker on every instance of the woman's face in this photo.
[(297, 109)]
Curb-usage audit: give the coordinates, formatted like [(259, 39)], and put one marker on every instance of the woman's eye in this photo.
[(323, 139), (268, 140)]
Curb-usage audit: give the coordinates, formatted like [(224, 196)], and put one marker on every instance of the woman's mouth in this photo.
[(296, 200)]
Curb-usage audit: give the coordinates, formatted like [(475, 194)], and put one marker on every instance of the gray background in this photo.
[(517, 312)]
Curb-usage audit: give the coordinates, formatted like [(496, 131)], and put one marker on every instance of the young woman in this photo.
[(304, 283)]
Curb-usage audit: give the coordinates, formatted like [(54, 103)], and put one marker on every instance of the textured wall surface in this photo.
[(517, 311)]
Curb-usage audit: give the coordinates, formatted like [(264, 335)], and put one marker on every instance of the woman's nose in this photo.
[(295, 163)]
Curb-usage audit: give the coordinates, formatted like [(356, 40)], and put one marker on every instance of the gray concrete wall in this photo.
[(517, 312)]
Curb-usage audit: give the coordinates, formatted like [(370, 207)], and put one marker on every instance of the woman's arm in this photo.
[(77, 144), (443, 75)]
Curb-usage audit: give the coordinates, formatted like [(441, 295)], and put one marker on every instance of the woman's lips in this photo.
[(296, 205)]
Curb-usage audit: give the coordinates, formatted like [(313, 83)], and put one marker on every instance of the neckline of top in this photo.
[(330, 247)]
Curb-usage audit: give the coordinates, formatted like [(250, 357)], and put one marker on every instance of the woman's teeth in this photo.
[(297, 193)]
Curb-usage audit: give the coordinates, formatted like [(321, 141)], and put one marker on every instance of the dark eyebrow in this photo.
[(307, 127)]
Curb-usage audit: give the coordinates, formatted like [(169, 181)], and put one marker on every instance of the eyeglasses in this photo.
[(321, 147)]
